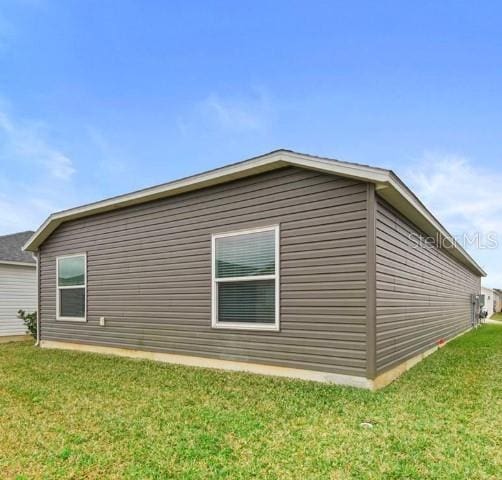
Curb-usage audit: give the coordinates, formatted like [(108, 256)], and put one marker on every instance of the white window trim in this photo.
[(71, 319), (214, 281)]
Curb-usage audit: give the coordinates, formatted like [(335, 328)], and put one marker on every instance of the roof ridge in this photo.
[(17, 233)]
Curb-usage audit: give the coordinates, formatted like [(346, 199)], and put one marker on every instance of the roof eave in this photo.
[(254, 166), (407, 203), (390, 187), (18, 264)]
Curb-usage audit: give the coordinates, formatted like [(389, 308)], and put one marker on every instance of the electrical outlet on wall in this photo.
[(101, 321)]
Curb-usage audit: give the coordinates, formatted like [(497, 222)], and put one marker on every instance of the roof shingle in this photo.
[(11, 248)]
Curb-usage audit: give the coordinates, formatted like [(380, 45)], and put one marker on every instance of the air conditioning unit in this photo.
[(482, 300)]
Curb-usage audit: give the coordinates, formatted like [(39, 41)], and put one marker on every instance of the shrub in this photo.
[(30, 321)]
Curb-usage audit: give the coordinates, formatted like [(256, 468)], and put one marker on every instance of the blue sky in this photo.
[(99, 98)]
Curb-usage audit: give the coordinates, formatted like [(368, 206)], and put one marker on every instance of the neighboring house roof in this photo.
[(11, 248), (388, 185)]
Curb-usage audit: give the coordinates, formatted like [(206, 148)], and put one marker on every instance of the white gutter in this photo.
[(20, 264)]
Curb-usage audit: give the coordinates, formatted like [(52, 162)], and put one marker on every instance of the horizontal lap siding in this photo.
[(18, 290), (423, 294), (149, 272)]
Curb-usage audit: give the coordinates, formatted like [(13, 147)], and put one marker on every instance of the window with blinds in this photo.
[(245, 279)]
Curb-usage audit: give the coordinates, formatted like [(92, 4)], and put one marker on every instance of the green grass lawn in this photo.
[(77, 415), (496, 316)]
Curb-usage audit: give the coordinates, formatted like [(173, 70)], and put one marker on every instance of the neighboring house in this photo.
[(18, 284), (284, 264), (498, 300), (490, 300)]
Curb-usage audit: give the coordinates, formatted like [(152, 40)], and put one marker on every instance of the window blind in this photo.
[(252, 301), (245, 279)]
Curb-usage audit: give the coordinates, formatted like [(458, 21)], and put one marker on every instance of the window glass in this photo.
[(72, 302), (71, 288), (245, 282), (246, 255), (71, 271), (252, 301)]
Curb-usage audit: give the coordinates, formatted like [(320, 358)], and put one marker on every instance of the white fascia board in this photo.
[(221, 175), (403, 199), (344, 169), (384, 179), (213, 177)]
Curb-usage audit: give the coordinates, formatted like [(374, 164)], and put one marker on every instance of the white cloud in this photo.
[(35, 176), (26, 142), (466, 198), (237, 114), (18, 214), (109, 159)]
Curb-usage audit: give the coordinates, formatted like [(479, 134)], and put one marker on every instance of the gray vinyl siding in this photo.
[(423, 294), (149, 272), (18, 290)]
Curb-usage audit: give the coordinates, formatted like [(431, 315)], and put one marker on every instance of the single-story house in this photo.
[(18, 284), (490, 301), (284, 264), (498, 300)]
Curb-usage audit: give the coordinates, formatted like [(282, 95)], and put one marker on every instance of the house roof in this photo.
[(388, 186), (11, 249)]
